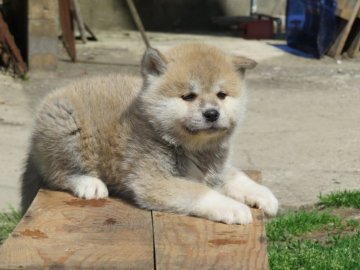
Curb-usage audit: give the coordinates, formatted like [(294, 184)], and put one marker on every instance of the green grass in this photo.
[(8, 222), (338, 253), (341, 199), (317, 239), (294, 224)]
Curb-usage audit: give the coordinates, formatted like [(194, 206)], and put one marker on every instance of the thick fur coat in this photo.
[(163, 142)]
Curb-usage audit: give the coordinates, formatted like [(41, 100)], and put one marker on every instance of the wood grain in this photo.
[(61, 231), (183, 242)]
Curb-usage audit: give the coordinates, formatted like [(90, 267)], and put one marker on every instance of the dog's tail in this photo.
[(30, 183)]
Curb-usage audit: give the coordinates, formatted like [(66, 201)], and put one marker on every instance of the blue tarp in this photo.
[(311, 25)]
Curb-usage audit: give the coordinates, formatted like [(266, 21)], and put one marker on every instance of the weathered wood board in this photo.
[(60, 231), (183, 242)]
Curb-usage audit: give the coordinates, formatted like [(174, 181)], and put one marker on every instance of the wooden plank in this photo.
[(339, 43), (345, 8), (68, 37), (183, 242), (61, 231)]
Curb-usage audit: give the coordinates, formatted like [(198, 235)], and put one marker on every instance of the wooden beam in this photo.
[(66, 22), (183, 242), (338, 46), (62, 231)]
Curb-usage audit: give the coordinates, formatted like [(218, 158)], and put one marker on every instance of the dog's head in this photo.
[(194, 95)]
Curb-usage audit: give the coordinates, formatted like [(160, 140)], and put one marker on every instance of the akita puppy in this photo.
[(162, 142)]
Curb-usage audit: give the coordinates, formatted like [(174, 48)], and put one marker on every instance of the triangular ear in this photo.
[(153, 63), (241, 63)]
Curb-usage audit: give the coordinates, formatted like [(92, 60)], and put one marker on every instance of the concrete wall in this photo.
[(170, 15), (43, 32), (106, 14), (174, 15)]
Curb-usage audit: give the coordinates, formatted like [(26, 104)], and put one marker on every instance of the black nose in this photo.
[(211, 115)]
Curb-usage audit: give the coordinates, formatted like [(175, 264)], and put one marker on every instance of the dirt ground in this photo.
[(302, 128)]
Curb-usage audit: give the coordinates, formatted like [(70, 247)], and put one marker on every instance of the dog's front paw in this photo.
[(243, 189), (261, 197), (88, 187), (217, 207)]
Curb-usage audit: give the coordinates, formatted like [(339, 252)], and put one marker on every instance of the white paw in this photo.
[(243, 189), (261, 197), (217, 207), (88, 187)]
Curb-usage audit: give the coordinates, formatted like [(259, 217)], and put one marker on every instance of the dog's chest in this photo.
[(194, 171), (198, 167)]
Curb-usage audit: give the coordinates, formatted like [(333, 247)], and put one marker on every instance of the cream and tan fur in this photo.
[(162, 142)]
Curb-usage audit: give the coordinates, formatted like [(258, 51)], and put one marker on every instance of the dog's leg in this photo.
[(178, 195), (86, 187), (240, 187)]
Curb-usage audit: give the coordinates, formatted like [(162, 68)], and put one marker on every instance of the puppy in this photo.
[(164, 141)]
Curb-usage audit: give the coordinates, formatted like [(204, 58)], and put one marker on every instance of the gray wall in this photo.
[(106, 14), (167, 15)]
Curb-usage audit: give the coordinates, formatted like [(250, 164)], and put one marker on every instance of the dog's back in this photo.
[(75, 125)]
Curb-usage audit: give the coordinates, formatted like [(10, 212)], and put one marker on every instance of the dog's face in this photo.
[(194, 95)]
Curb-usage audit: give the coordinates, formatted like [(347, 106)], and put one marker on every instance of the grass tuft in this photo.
[(318, 239), (341, 199), (8, 222), (340, 253), (294, 224)]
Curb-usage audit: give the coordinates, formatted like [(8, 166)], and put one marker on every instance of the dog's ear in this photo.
[(242, 63), (153, 63)]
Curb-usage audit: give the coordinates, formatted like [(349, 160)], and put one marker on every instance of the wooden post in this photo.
[(338, 46), (68, 37)]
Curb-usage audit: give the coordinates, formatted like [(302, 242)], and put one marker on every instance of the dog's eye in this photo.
[(221, 95), (189, 97)]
